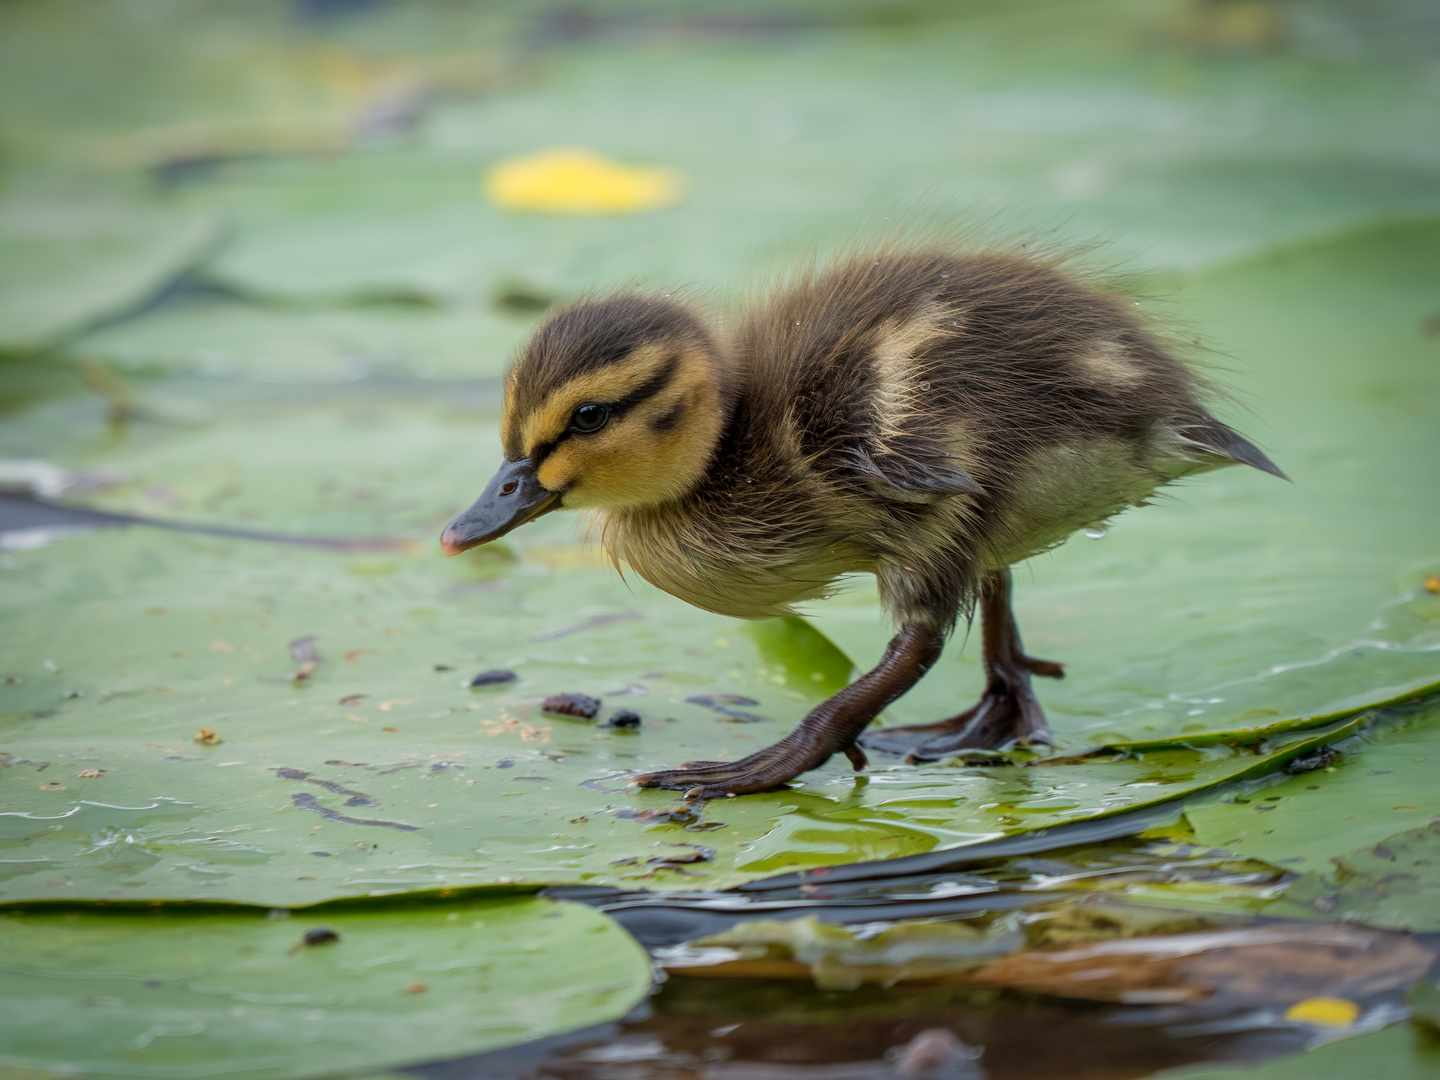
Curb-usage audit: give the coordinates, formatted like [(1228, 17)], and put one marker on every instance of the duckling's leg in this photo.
[(1006, 712), (830, 728)]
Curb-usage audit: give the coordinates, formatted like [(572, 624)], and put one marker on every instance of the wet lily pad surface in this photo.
[(159, 995), (1229, 609)]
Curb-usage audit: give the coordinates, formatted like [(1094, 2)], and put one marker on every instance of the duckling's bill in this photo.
[(513, 497)]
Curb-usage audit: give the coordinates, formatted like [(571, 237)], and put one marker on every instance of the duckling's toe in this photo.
[(766, 770)]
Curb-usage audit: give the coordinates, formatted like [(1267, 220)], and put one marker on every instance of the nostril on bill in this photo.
[(509, 488)]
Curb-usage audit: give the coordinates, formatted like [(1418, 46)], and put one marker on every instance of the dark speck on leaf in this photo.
[(625, 719), (581, 705), (544, 779), (495, 677), (443, 667), (153, 984), (505, 763), (319, 936), (322, 854)]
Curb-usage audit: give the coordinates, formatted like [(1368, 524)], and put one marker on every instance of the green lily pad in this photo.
[(71, 259), (174, 995), (1217, 637), (1386, 788), (1393, 885), (1397, 1053), (127, 644), (99, 88), (1069, 111), (236, 340), (1425, 1004)]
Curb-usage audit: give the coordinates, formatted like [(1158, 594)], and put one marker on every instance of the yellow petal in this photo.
[(572, 181), (1324, 1011)]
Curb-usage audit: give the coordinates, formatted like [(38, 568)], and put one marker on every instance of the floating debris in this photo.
[(1316, 759), (724, 705), (302, 651), (305, 801), (697, 854), (1324, 1012), (207, 737), (353, 798), (936, 1052), (624, 719), (493, 677), (581, 705)]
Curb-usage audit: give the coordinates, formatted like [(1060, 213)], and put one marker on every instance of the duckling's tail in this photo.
[(1222, 441)]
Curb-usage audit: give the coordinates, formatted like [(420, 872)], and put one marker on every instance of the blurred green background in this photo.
[(250, 279)]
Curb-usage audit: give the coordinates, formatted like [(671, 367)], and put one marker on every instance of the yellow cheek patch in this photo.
[(557, 472)]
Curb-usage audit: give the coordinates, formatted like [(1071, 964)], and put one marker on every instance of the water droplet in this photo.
[(1097, 532)]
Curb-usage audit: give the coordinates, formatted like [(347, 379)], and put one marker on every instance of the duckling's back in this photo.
[(983, 406)]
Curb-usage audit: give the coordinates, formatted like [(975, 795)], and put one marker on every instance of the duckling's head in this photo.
[(613, 403)]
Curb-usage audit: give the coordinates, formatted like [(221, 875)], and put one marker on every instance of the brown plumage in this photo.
[(927, 417)]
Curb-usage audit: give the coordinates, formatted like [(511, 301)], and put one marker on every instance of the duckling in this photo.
[(926, 416)]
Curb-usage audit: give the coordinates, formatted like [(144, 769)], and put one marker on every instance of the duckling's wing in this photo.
[(912, 474), (1222, 441)]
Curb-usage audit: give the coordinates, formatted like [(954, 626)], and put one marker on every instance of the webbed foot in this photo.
[(766, 770), (830, 728), (1006, 713)]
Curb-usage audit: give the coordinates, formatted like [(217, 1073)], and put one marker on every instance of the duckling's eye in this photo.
[(588, 418)]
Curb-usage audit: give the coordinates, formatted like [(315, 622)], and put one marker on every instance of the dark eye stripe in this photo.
[(646, 390)]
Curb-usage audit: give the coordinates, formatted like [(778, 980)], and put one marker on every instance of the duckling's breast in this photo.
[(752, 551)]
